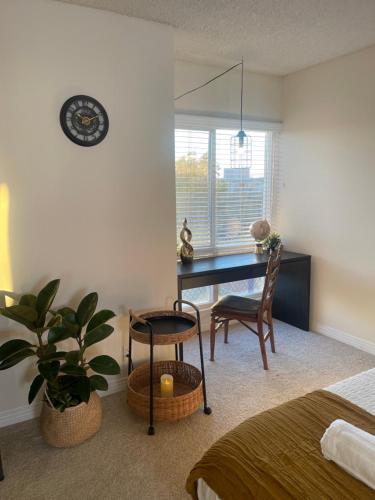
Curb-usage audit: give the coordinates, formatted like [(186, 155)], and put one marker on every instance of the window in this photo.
[(219, 196)]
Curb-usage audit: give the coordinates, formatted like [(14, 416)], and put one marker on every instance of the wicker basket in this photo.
[(189, 323), (73, 426), (187, 383)]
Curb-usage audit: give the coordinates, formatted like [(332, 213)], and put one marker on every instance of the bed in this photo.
[(276, 454)]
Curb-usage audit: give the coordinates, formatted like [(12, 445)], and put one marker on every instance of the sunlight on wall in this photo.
[(6, 282)]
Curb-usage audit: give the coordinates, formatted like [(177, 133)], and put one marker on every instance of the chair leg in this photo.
[(212, 338), (270, 326), (262, 343), (226, 328)]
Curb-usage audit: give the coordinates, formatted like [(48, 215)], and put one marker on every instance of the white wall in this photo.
[(262, 93), (100, 218), (327, 200)]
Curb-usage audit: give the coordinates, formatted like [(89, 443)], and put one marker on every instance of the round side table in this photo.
[(172, 327)]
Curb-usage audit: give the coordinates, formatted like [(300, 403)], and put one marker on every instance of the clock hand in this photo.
[(81, 118)]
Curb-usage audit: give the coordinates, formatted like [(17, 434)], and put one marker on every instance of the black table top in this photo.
[(213, 264)]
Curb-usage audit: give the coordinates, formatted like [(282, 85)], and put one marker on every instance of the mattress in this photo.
[(359, 390)]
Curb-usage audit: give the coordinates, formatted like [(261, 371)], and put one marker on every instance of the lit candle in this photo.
[(166, 386)]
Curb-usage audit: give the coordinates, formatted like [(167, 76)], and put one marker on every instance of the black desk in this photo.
[(292, 297)]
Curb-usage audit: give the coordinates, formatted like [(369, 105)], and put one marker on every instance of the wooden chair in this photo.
[(242, 309)]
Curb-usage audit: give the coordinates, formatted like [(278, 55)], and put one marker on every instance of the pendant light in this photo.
[(240, 147)]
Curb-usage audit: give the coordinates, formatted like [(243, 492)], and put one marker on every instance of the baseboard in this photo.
[(27, 412), (346, 338), (20, 414)]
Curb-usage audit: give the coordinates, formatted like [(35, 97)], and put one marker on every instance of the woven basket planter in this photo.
[(188, 394), (73, 426)]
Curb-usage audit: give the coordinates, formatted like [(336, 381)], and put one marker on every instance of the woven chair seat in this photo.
[(238, 306)]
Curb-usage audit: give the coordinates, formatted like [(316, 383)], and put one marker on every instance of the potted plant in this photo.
[(71, 411), (272, 242)]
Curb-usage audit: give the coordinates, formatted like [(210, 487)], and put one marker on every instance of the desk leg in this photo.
[(291, 303)]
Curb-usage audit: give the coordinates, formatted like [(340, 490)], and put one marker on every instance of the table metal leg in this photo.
[(207, 409), (1, 469), (130, 361), (151, 429), (181, 345), (181, 351)]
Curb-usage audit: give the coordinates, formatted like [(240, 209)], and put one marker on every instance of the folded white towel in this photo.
[(352, 449)]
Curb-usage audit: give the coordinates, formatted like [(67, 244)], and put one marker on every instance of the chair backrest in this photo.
[(270, 281)]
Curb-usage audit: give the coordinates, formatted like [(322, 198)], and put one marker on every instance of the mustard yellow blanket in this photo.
[(276, 454)]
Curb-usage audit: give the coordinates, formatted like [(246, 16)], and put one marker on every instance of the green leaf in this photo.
[(78, 371), (105, 365), (65, 381), (46, 297), (12, 347), (35, 387), (73, 357), (54, 321), (87, 308), (50, 370), (69, 321), (65, 311), (47, 349), (28, 300), (99, 333), (100, 318), (25, 315), (98, 383), (57, 334), (52, 356), (16, 358), (81, 388)]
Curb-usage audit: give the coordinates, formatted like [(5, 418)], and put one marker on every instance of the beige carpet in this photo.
[(122, 462)]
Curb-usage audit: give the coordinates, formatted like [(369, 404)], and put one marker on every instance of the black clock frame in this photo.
[(66, 129)]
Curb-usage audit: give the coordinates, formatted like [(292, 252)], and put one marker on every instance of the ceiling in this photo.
[(273, 36)]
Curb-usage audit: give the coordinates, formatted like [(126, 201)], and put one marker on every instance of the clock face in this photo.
[(84, 120)]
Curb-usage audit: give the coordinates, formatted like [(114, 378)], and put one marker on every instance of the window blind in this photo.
[(221, 197)]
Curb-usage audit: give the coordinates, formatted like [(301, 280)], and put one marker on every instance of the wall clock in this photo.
[(84, 120)]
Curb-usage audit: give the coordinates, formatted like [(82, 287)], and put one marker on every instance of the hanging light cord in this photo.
[(215, 78)]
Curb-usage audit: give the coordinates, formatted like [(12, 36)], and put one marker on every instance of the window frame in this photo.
[(210, 124)]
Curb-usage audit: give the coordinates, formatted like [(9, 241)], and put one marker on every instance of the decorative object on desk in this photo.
[(260, 230), (62, 374), (166, 385), (186, 249), (272, 242), (187, 387)]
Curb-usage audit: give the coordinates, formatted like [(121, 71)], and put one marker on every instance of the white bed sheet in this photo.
[(359, 390)]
